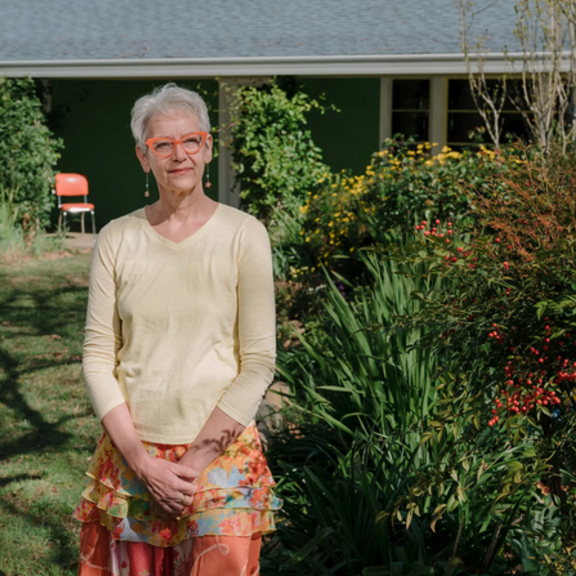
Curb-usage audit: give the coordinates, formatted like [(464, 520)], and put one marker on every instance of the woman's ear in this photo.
[(143, 160), (208, 149)]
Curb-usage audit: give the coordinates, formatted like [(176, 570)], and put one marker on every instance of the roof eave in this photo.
[(165, 68)]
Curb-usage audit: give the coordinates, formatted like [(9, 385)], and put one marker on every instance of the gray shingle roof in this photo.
[(134, 29)]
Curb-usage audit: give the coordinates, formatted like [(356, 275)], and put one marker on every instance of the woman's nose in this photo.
[(179, 152)]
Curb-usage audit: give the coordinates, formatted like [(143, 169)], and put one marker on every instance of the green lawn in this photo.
[(47, 427)]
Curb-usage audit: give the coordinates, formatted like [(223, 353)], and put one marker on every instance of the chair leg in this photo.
[(60, 221), (64, 223), (82, 223), (93, 223)]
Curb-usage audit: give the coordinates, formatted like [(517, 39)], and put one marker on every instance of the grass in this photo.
[(47, 428)]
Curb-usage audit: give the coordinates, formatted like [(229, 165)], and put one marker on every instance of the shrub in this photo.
[(505, 322), (388, 469), (401, 184), (28, 151), (11, 236), (273, 153)]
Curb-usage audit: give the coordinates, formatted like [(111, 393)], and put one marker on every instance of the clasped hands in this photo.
[(171, 486)]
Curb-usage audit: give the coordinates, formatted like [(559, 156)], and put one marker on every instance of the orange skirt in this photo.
[(203, 556), (232, 507)]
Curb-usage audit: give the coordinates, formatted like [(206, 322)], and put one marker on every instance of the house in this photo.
[(388, 65)]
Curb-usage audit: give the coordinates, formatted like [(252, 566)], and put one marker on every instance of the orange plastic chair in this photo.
[(68, 185)]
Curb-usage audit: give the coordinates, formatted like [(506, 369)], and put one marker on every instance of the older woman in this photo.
[(178, 353)]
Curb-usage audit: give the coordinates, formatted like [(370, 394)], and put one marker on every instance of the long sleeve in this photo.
[(256, 325), (103, 331)]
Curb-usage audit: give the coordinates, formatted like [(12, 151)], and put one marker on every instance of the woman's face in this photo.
[(179, 172)]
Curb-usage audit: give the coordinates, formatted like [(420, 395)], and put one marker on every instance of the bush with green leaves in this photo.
[(401, 185), (388, 470), (347, 213), (28, 151), (505, 321), (273, 153)]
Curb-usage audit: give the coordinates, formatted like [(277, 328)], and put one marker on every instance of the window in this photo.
[(411, 108), (463, 116)]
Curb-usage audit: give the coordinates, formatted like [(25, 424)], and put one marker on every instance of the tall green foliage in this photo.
[(389, 471), (274, 155), (28, 150), (507, 323)]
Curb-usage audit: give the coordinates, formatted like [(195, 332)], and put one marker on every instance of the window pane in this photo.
[(411, 124), (460, 96), (411, 95), (461, 123), (516, 125)]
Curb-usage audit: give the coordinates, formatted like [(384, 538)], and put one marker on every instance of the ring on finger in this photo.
[(183, 501)]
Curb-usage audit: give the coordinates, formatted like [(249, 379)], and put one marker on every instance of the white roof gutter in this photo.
[(165, 68)]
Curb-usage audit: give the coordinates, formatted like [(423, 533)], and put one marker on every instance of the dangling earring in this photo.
[(208, 183), (147, 193)]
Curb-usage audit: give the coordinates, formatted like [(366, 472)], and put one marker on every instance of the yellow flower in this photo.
[(445, 149), (308, 239), (352, 249)]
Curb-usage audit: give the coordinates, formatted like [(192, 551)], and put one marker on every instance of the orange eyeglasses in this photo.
[(164, 147)]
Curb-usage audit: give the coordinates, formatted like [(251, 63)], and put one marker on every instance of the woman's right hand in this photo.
[(170, 484)]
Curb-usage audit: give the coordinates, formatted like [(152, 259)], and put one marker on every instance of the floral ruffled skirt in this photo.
[(234, 497)]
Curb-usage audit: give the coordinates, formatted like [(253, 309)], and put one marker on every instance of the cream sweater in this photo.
[(175, 330)]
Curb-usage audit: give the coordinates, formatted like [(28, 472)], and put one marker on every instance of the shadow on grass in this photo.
[(17, 478), (64, 549), (54, 307), (44, 317), (43, 434)]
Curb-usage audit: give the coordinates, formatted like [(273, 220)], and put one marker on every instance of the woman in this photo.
[(178, 353)]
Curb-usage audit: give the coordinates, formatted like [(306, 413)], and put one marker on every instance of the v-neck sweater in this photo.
[(178, 329)]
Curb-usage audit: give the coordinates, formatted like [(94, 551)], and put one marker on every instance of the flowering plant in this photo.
[(505, 321)]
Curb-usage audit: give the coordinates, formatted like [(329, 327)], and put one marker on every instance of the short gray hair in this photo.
[(165, 100)]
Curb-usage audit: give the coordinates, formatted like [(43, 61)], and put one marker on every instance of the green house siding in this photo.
[(93, 118), (349, 137)]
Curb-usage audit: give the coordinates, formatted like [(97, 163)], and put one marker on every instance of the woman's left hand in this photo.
[(158, 511)]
